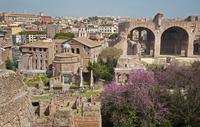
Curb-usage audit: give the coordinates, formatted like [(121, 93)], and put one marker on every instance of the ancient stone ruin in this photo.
[(15, 104)]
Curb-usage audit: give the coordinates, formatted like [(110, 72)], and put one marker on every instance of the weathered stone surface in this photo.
[(15, 104)]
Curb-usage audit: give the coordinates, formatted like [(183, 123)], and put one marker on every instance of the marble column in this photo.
[(81, 77), (91, 79), (116, 77), (63, 79)]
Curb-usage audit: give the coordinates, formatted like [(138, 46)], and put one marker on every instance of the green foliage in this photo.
[(63, 35), (113, 36), (74, 87), (110, 55), (100, 71), (43, 78), (154, 66), (166, 124), (33, 33), (107, 61), (10, 65), (95, 18), (86, 83), (131, 121), (32, 82)]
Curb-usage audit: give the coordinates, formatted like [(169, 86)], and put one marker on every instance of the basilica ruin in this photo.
[(160, 37), (153, 41)]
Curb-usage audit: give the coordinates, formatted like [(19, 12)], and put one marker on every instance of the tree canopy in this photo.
[(113, 36), (63, 35), (159, 97), (110, 54), (104, 68), (10, 65), (32, 32)]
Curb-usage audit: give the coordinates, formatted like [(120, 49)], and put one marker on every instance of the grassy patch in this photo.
[(32, 82), (154, 66), (88, 94), (42, 78), (74, 87)]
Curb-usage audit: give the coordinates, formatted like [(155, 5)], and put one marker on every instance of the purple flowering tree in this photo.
[(180, 89), (134, 104)]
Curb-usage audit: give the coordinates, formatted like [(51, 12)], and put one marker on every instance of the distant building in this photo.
[(66, 64), (59, 45), (16, 30), (82, 32), (96, 36), (32, 36), (92, 28), (36, 56), (46, 19), (86, 48), (107, 29), (35, 37), (52, 29), (19, 17)]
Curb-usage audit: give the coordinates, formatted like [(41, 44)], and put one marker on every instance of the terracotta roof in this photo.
[(87, 42), (38, 44)]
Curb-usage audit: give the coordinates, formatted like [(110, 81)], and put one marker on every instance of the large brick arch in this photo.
[(148, 44), (158, 28), (174, 41)]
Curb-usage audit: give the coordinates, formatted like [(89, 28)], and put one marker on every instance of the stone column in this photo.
[(190, 47), (63, 79), (116, 76), (157, 45), (81, 77), (91, 79)]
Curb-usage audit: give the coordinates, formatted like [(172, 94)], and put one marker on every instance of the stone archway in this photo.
[(144, 37), (174, 41)]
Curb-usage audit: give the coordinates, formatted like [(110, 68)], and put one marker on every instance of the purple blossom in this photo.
[(136, 96)]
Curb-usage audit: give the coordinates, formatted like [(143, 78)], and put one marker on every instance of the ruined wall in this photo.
[(15, 105)]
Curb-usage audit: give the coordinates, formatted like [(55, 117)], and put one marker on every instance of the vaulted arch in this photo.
[(142, 37), (174, 41)]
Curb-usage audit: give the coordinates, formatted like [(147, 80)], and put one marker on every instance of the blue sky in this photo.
[(133, 8)]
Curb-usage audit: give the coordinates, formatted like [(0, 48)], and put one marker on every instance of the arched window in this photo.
[(72, 50), (77, 50)]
